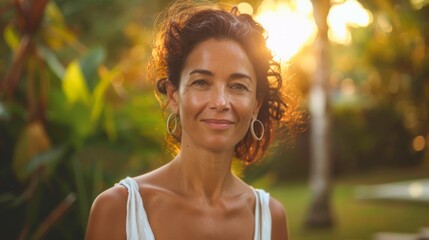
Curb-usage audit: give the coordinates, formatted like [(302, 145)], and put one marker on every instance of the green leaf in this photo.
[(109, 123), (75, 118), (52, 61), (47, 159), (89, 65)]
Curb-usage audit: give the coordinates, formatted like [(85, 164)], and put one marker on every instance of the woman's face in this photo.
[(216, 99)]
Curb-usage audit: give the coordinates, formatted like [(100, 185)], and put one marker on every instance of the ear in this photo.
[(172, 94)]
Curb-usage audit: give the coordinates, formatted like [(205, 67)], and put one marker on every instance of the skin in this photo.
[(196, 196)]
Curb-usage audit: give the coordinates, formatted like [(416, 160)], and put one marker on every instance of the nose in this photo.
[(219, 99)]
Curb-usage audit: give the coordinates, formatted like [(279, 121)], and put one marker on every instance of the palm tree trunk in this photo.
[(319, 214)]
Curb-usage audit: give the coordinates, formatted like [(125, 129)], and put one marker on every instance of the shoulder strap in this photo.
[(137, 227), (262, 215)]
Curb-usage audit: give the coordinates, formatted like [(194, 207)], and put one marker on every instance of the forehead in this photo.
[(220, 56)]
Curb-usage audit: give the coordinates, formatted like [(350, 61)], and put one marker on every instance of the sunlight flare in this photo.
[(245, 8), (342, 16), (290, 26)]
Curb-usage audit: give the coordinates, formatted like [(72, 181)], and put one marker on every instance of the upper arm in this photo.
[(107, 219), (278, 220)]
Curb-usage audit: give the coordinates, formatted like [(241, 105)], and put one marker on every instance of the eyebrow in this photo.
[(233, 76), (241, 75), (201, 71)]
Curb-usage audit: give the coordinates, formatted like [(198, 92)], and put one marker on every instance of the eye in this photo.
[(200, 83), (239, 86)]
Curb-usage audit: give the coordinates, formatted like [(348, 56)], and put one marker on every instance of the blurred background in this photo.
[(77, 113)]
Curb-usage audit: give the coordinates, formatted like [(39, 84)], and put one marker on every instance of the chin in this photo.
[(220, 146)]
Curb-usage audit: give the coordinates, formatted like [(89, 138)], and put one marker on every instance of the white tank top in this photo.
[(138, 228)]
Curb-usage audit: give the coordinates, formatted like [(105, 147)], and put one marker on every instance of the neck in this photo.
[(203, 174)]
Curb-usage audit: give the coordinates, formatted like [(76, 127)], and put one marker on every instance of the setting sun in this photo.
[(289, 27), (290, 24)]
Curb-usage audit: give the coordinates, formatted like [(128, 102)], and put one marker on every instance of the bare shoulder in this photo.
[(113, 199), (108, 215), (276, 208), (279, 223)]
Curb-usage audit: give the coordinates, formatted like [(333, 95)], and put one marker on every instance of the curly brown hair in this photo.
[(185, 24)]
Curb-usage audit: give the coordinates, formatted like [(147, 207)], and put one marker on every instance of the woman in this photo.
[(223, 89)]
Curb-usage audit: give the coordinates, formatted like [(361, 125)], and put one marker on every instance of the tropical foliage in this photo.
[(77, 113), (69, 123)]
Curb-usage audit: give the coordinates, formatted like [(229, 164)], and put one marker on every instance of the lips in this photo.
[(218, 123)]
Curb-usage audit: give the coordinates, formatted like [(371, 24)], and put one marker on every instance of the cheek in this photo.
[(192, 102), (245, 108)]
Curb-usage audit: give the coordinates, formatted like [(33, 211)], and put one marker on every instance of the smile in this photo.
[(218, 123)]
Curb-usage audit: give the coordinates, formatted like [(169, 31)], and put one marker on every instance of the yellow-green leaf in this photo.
[(99, 93), (11, 37), (57, 37), (74, 85), (55, 32), (54, 14)]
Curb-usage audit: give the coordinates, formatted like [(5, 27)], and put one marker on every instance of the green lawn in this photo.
[(355, 219)]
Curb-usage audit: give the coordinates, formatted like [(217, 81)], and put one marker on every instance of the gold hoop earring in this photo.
[(252, 129), (169, 130)]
